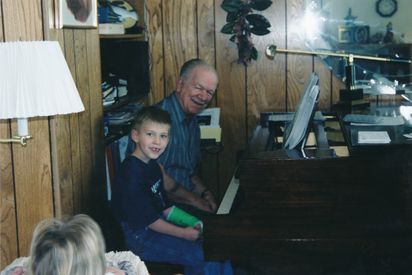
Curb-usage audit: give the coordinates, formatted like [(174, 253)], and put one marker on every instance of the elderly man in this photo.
[(194, 90)]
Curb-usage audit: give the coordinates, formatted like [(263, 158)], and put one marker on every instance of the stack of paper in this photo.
[(208, 121), (111, 28), (373, 137), (120, 117)]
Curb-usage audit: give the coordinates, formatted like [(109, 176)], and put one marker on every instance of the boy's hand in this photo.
[(193, 233)]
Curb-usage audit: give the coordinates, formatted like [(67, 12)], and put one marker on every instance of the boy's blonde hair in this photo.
[(74, 247), (151, 114)]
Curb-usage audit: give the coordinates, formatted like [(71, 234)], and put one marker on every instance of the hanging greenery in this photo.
[(241, 23)]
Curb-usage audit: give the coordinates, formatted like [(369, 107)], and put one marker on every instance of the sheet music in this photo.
[(312, 80), (230, 194)]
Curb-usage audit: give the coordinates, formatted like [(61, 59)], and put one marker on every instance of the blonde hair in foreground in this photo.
[(73, 247)]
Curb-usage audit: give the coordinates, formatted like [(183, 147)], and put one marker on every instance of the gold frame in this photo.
[(86, 17), (346, 35)]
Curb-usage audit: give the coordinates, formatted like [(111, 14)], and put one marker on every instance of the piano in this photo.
[(322, 213)]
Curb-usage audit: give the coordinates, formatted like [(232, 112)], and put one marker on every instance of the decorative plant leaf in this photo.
[(228, 28), (260, 5), (254, 54), (231, 6), (232, 16), (259, 31), (241, 24), (258, 21)]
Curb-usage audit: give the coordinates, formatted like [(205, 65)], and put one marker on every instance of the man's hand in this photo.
[(203, 204), (205, 194), (211, 199)]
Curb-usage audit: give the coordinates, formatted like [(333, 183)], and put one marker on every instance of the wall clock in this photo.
[(386, 8)]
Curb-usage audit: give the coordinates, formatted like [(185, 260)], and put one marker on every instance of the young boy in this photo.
[(141, 206)]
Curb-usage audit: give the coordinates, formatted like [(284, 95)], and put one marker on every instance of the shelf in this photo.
[(124, 101), (122, 36)]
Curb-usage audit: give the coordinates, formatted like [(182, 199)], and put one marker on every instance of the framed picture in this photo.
[(361, 34), (75, 13), (345, 35)]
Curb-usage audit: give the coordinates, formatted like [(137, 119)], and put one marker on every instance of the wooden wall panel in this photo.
[(231, 97), (73, 195), (206, 51), (155, 38), (33, 181), (22, 19), (180, 38), (266, 89), (86, 158), (299, 66), (8, 233), (324, 74), (61, 150), (206, 30), (97, 186)]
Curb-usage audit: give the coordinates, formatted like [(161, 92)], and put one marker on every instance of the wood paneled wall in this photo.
[(61, 171), (185, 29)]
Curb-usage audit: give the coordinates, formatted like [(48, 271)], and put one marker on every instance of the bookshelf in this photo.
[(126, 57), (128, 60), (126, 100), (122, 36)]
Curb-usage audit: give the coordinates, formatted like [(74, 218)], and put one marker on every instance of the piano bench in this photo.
[(156, 268)]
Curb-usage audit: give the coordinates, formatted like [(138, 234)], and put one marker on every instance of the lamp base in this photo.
[(352, 99), (360, 103), (350, 95)]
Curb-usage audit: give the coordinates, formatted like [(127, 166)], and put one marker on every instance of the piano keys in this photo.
[(230, 194), (303, 215)]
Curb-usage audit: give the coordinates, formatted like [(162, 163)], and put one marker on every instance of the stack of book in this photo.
[(121, 116), (113, 93), (122, 88), (121, 119), (109, 94), (110, 22)]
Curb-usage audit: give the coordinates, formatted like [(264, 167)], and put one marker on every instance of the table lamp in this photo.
[(35, 81)]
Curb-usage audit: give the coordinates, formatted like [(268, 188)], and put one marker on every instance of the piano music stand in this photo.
[(296, 134), (301, 145)]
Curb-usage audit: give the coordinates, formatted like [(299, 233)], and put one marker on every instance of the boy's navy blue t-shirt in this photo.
[(138, 194)]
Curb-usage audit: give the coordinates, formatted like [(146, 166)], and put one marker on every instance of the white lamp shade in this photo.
[(36, 81)]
